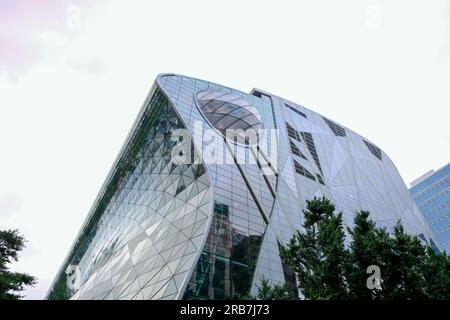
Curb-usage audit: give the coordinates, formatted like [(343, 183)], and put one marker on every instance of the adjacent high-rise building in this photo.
[(431, 192), (209, 182)]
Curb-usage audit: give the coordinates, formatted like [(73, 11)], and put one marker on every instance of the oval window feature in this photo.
[(232, 116)]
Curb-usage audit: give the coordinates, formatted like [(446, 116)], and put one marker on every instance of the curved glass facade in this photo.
[(148, 225), (206, 229), (232, 116), (226, 266)]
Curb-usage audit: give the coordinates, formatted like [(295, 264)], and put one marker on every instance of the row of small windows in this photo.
[(340, 132), (319, 177), (337, 129), (296, 111), (296, 151), (312, 148), (437, 208), (374, 150), (292, 133), (307, 137), (432, 188), (436, 196), (446, 243), (435, 221), (303, 171), (334, 127), (443, 231)]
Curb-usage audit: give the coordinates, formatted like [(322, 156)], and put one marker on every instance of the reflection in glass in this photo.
[(229, 112)]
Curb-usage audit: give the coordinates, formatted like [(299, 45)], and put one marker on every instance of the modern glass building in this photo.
[(431, 192), (174, 224)]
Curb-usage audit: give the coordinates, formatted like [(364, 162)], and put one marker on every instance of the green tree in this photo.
[(399, 257), (12, 283), (367, 246), (318, 255), (436, 270), (403, 276), (327, 269), (269, 292), (275, 292)]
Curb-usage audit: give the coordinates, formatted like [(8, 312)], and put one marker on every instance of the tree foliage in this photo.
[(266, 291), (330, 265), (317, 255), (12, 283), (275, 292)]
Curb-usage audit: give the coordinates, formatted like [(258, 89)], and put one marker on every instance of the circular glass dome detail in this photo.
[(231, 115)]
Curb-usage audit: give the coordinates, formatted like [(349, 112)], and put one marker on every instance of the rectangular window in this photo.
[(292, 133), (312, 148), (296, 151), (337, 129), (374, 150), (303, 171), (319, 177)]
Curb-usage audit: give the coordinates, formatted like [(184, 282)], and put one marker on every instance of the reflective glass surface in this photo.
[(150, 222), (228, 112), (213, 230)]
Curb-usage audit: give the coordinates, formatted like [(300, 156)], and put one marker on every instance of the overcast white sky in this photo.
[(69, 92)]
